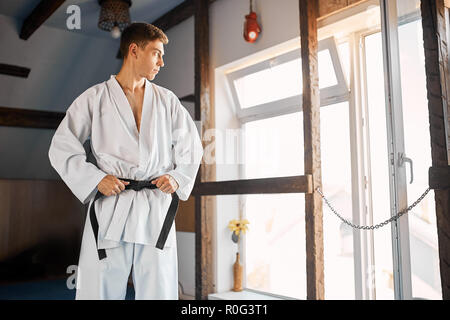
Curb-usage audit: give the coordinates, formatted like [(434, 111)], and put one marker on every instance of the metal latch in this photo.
[(402, 159)]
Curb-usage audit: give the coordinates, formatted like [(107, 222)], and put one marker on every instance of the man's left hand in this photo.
[(166, 183)]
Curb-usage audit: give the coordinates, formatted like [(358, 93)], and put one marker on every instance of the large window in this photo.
[(364, 135), (268, 96)]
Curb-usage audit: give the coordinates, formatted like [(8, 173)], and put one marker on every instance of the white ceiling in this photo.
[(140, 10)]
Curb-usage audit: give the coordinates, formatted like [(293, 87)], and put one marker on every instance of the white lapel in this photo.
[(148, 145), (123, 106)]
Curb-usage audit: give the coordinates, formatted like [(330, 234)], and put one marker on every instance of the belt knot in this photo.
[(137, 185)]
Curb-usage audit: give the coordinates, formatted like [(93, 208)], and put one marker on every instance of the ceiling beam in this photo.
[(178, 14), (16, 71), (175, 16), (38, 16), (26, 118), (188, 98)]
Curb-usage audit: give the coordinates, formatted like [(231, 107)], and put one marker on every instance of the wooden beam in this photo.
[(436, 70), (188, 98), (297, 184), (205, 206), (328, 7), (14, 117), (439, 178), (311, 128), (177, 15), (15, 71), (42, 12)]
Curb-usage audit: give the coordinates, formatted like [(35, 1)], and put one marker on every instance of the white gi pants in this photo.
[(154, 271)]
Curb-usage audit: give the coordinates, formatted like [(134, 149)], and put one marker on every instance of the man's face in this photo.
[(150, 59)]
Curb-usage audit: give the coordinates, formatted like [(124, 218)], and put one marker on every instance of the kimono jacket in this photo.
[(167, 143)]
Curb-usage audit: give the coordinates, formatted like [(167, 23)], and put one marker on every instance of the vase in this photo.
[(237, 272)]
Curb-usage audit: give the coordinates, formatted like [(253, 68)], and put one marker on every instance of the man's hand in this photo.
[(111, 186), (166, 183)]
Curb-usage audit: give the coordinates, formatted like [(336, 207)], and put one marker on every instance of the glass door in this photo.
[(379, 277), (384, 141), (403, 257), (425, 276)]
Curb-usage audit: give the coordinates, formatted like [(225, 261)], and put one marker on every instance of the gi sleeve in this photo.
[(67, 154), (187, 149)]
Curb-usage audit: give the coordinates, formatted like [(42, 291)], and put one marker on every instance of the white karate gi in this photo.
[(130, 222)]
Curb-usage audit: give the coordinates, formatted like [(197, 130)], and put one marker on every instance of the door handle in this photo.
[(402, 159)]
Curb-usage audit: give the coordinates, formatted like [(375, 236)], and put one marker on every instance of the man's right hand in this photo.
[(111, 186)]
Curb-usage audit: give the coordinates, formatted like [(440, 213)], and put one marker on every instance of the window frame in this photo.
[(329, 95), (340, 92)]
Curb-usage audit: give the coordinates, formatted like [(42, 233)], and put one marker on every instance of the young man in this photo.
[(148, 153)]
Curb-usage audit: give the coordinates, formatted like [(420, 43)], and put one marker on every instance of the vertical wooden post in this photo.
[(436, 69), (311, 127), (204, 206)]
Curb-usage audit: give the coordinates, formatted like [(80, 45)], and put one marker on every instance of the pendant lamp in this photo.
[(114, 16)]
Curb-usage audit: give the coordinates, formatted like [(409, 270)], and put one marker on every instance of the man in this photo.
[(140, 133)]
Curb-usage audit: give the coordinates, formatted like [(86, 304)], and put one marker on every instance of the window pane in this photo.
[(275, 256), (280, 144), (337, 187), (379, 170), (344, 51), (274, 147), (425, 274), (281, 81), (327, 76)]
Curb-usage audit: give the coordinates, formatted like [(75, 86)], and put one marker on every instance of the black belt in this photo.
[(138, 185)]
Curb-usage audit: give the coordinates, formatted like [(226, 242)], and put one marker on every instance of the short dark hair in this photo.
[(140, 33)]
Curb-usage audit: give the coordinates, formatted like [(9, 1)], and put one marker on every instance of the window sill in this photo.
[(242, 295)]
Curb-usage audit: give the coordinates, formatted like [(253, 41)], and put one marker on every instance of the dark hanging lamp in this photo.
[(251, 26), (114, 16)]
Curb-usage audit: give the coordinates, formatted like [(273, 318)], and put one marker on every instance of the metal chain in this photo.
[(377, 225)]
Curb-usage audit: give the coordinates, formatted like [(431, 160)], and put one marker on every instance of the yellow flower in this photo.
[(238, 225)]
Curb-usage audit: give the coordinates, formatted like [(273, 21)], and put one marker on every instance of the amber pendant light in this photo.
[(251, 26)]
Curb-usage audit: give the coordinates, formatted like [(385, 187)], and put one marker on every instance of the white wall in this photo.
[(279, 21), (63, 64), (186, 262), (178, 71)]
